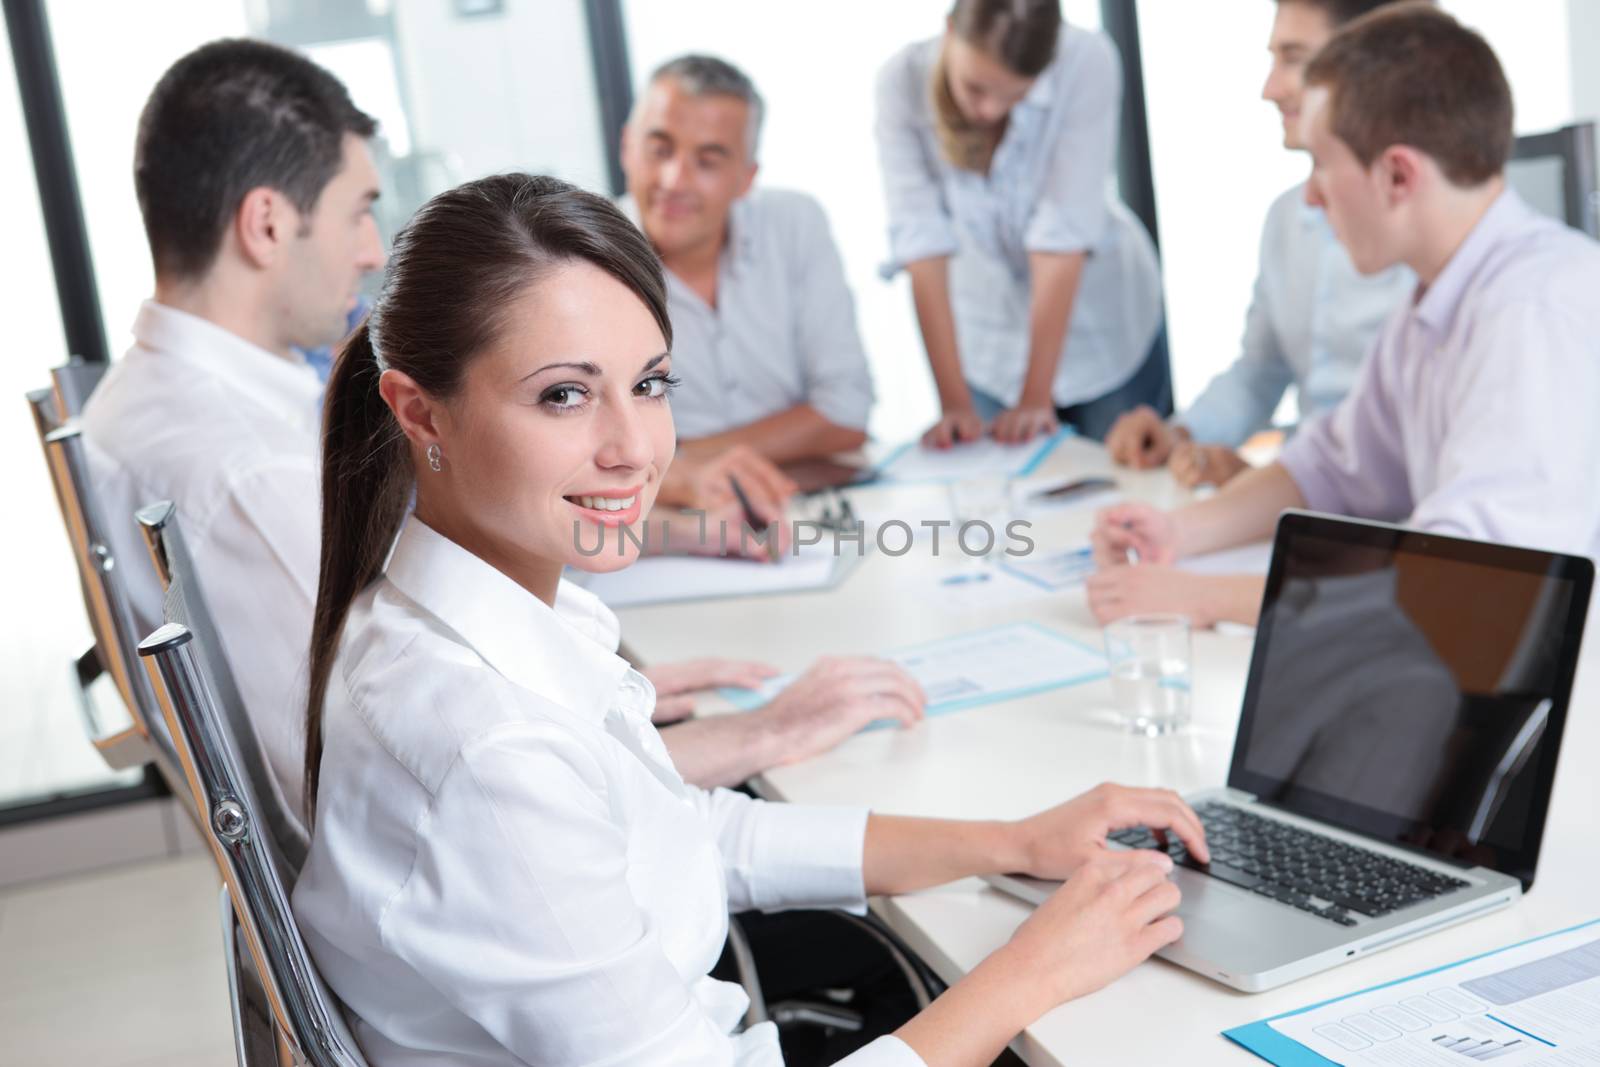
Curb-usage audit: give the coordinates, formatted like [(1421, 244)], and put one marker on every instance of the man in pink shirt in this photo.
[(1474, 415)]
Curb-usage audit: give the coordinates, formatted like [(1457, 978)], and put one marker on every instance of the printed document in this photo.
[(987, 458), (999, 663), (1534, 1004)]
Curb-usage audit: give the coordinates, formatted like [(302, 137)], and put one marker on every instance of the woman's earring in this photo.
[(434, 456)]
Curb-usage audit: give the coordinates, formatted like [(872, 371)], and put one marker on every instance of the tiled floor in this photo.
[(118, 968)]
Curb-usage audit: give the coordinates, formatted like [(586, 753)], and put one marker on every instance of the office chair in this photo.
[(184, 602), (307, 1027), (73, 382), (143, 740), (1555, 173)]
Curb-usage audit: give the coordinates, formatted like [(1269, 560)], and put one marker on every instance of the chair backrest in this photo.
[(105, 598), (1555, 172), (184, 602), (72, 382), (255, 871)]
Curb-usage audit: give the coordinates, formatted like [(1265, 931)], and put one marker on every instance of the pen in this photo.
[(1131, 553), (753, 520)]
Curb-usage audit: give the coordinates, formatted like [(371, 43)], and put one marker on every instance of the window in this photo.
[(43, 752)]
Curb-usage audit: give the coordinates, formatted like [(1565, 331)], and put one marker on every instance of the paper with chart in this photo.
[(665, 579), (982, 667), (1534, 1004), (978, 459)]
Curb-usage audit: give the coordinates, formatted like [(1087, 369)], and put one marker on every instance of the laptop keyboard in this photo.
[(1316, 874)]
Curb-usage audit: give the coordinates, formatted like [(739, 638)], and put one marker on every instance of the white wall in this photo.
[(502, 92)]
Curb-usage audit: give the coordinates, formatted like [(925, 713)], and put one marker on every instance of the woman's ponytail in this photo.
[(366, 482)]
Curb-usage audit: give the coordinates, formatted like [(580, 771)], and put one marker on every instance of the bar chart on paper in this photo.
[(1533, 1004)]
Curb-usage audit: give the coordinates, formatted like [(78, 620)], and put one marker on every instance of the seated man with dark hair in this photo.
[(1474, 415), (256, 186)]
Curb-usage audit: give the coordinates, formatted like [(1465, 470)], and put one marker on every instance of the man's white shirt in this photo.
[(229, 432)]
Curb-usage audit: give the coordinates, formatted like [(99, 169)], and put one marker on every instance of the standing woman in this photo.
[(505, 868), (1038, 293)]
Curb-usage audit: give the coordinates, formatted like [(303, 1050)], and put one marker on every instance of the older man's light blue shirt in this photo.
[(1048, 190), (1476, 414), (783, 332), (1312, 320)]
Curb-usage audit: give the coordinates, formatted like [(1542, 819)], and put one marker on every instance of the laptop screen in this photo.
[(1412, 687)]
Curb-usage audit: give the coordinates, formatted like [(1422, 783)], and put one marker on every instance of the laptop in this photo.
[(1395, 751)]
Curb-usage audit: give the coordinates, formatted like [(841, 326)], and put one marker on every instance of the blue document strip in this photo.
[(1275, 1048)]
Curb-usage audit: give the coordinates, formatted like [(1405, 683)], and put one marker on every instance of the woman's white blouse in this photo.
[(505, 868), (1048, 190)]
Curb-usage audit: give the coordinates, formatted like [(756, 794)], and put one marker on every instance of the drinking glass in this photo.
[(986, 501), (1150, 659)]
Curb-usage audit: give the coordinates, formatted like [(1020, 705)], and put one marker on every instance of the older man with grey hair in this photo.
[(764, 324)]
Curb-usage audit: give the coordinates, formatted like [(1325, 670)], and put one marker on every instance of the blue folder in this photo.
[(1283, 1051)]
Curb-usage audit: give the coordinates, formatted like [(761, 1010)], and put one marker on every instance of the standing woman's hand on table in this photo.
[(955, 427), (1023, 423)]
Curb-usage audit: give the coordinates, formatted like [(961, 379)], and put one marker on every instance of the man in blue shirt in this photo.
[(1312, 318)]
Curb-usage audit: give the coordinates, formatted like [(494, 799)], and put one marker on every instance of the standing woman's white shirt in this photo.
[(1048, 190), (506, 868)]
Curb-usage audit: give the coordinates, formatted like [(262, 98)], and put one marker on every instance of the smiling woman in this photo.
[(488, 282), (506, 865)]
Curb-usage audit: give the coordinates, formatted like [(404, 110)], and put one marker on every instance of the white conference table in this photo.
[(1010, 759)]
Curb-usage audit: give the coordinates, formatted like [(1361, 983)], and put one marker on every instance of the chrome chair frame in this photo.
[(184, 602), (106, 601), (309, 1026)]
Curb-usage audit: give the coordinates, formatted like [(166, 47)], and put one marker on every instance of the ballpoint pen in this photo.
[(753, 520)]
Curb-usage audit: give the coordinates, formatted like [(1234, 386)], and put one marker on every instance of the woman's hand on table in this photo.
[(956, 426), (836, 697), (1023, 423), (1059, 841), (677, 683)]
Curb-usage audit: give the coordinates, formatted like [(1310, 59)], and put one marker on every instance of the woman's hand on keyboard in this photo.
[(1056, 842)]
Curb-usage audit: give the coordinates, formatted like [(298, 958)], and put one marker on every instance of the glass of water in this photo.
[(981, 510), (1150, 674)]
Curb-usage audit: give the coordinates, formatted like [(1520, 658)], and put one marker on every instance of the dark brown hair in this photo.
[(1340, 12), (1019, 33), (229, 117), (1410, 74), (459, 263)]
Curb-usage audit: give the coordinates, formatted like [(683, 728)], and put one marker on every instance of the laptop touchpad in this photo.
[(1251, 933)]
